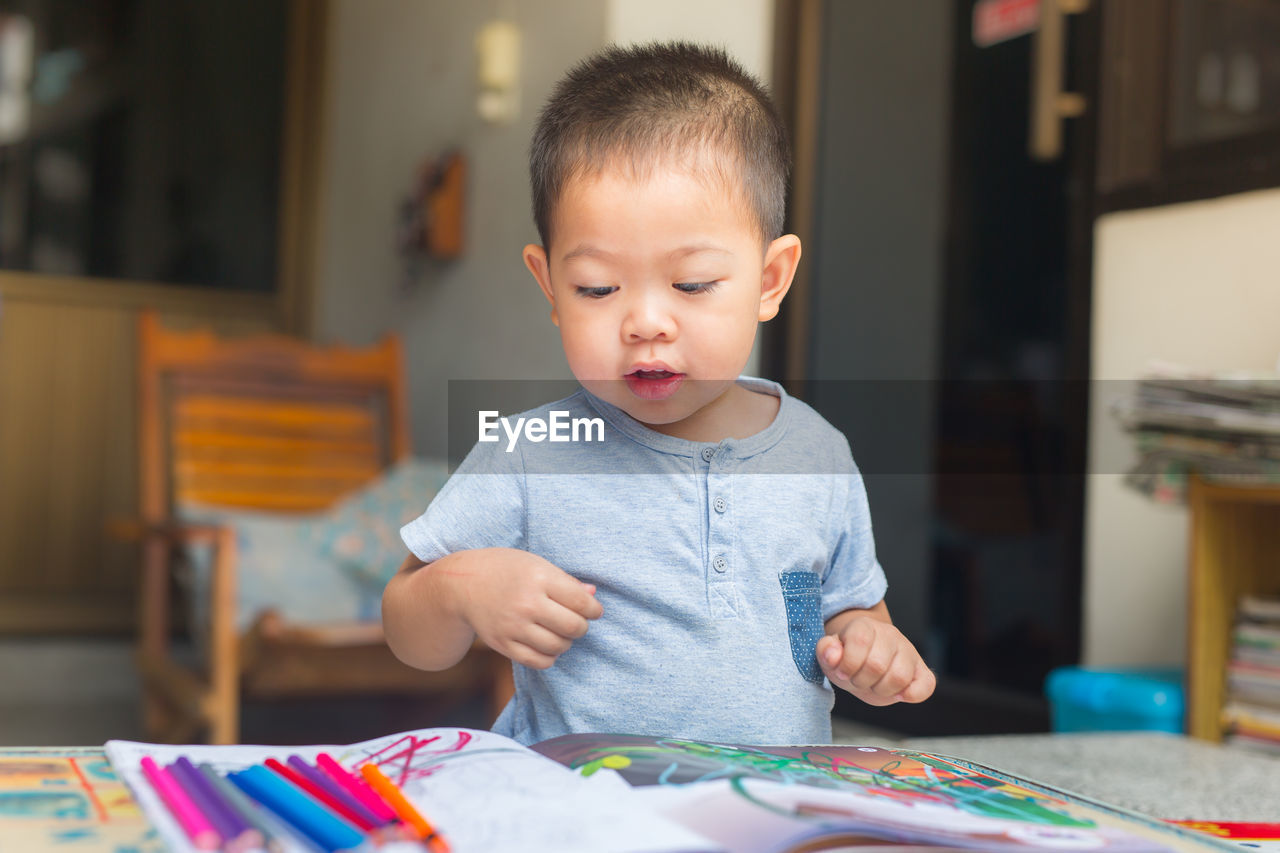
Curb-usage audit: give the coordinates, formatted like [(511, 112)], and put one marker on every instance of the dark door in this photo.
[(947, 336)]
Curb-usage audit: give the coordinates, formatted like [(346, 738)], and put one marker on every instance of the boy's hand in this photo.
[(871, 659), (524, 607)]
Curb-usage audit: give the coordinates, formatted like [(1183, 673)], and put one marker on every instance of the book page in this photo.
[(773, 798), (482, 791)]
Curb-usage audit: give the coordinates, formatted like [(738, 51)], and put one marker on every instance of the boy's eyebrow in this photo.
[(586, 250), (685, 251)]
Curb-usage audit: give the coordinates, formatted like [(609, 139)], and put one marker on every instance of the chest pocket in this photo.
[(803, 597)]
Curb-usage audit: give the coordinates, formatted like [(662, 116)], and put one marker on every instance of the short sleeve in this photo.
[(854, 578), (481, 506)]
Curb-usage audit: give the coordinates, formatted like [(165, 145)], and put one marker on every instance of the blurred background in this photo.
[(1005, 206)]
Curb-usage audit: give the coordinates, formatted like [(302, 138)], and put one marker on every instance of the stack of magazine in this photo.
[(1251, 714), (1223, 428)]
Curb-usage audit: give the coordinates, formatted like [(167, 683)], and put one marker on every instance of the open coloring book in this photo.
[(487, 793), (814, 797)]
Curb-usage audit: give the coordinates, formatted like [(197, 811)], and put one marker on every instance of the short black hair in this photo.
[(640, 102)]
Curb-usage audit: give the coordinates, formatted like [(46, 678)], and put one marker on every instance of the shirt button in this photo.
[(720, 564), (721, 505), (707, 453)]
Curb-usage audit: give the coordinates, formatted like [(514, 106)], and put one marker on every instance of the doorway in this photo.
[(943, 327)]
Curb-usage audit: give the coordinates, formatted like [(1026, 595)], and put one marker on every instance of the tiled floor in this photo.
[(67, 692)]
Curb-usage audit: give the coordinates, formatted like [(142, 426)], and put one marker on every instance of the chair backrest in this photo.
[(263, 422)]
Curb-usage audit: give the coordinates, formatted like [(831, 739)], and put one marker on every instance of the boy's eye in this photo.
[(695, 286), (595, 292)]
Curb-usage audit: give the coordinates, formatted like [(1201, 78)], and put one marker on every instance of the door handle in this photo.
[(1049, 104)]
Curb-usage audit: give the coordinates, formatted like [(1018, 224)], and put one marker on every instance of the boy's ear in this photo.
[(780, 261), (535, 258)]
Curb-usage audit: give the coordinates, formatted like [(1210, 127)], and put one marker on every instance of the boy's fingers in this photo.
[(829, 652), (901, 673), (544, 641), (575, 595), (921, 687), (526, 656), (859, 641), (875, 699), (562, 621), (875, 666)]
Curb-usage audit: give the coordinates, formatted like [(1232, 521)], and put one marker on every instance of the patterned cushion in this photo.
[(328, 566), (362, 532)]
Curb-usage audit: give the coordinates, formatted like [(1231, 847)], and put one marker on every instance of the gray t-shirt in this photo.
[(716, 566)]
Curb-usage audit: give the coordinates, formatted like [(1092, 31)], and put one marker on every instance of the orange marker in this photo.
[(395, 798)]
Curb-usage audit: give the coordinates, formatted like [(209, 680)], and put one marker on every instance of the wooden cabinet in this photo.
[(1235, 550), (1189, 100)]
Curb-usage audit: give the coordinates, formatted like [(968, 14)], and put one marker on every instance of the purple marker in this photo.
[(322, 780), (238, 834)]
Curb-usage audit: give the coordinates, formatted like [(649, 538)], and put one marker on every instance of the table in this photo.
[(1162, 775), (69, 799)]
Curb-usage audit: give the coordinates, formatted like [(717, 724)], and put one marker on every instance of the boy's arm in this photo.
[(519, 604), (865, 654), (416, 597)]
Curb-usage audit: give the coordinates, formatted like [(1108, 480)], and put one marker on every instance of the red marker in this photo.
[(329, 800)]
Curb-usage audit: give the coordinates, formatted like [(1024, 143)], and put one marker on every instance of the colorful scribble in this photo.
[(906, 778), (27, 772), (99, 770), (412, 757), (70, 799), (45, 804), (612, 762)]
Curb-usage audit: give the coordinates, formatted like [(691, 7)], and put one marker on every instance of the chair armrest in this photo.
[(175, 532), (271, 627)]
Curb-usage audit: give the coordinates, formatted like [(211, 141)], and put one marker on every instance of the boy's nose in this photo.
[(647, 319)]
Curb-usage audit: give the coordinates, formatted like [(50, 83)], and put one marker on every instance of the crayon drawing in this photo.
[(69, 799), (410, 757)]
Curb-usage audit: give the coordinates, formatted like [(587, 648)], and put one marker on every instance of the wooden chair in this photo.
[(265, 422)]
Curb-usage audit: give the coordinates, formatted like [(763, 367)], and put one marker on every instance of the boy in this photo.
[(698, 571)]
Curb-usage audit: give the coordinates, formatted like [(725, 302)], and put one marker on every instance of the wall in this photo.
[(401, 87), (743, 27), (1196, 284)]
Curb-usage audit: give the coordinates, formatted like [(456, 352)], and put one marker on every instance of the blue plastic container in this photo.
[(1115, 700)]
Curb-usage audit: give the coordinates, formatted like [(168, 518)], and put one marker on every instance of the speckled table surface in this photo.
[(1166, 776)]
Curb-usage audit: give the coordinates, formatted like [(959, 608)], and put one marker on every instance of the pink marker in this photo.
[(192, 820), (356, 787)]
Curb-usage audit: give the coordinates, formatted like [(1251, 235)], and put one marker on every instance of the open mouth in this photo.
[(655, 384)]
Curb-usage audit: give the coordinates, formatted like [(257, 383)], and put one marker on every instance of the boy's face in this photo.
[(657, 285)]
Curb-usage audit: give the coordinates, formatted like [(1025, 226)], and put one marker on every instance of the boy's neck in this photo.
[(737, 413)]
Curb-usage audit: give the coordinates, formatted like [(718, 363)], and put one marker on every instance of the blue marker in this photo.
[(297, 809)]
